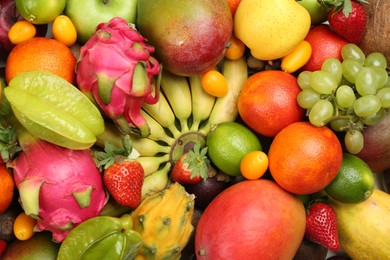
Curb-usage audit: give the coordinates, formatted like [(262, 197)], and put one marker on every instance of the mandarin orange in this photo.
[(7, 186), (304, 159), (41, 53), (268, 102)]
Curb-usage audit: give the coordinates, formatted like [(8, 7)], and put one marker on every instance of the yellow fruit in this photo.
[(271, 29), (354, 182), (364, 227), (227, 145)]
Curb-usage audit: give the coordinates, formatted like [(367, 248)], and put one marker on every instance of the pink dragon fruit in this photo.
[(116, 70), (59, 187)]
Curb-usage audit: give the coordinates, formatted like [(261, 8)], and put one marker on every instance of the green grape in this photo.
[(366, 81), (381, 75), (307, 97), (323, 82), (339, 124), (375, 118), (321, 112), (345, 96), (367, 105), (376, 59), (352, 51), (333, 66), (354, 141), (303, 79), (350, 69), (384, 95)]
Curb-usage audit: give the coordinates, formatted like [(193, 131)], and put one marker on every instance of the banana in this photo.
[(162, 113), (202, 102), (178, 94), (157, 132), (149, 147), (151, 164), (156, 181), (225, 108)]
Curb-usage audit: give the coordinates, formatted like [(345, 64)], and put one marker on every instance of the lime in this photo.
[(40, 11), (227, 145), (354, 182)]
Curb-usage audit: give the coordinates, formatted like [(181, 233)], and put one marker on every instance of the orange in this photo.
[(233, 4), (304, 159), (41, 53), (268, 102), (7, 186), (324, 44)]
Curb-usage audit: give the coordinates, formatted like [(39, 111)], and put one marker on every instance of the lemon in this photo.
[(40, 11), (227, 145), (354, 182)]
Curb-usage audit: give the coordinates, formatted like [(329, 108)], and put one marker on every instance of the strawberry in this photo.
[(349, 20), (321, 225), (191, 167), (122, 176)]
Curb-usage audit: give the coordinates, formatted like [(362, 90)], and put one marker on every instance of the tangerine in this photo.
[(40, 53), (303, 158), (324, 44), (7, 186), (268, 102)]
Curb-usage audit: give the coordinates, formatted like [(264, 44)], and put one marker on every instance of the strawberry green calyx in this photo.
[(198, 162), (344, 5), (116, 70)]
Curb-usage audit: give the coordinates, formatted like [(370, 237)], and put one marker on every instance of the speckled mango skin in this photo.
[(271, 29)]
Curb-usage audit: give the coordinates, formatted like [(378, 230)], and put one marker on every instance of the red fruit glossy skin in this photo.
[(325, 44), (190, 37), (253, 219)]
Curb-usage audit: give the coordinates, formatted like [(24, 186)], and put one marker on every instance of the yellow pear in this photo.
[(271, 29)]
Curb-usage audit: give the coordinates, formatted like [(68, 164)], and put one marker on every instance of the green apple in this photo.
[(87, 14)]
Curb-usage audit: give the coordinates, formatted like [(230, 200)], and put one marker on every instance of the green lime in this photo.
[(228, 143), (40, 11), (354, 182)]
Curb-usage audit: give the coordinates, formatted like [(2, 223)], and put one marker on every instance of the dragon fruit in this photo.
[(59, 187), (116, 70)]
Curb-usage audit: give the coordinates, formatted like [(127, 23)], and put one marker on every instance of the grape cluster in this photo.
[(348, 95)]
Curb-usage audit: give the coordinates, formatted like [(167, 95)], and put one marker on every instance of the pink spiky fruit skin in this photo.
[(116, 70), (57, 174)]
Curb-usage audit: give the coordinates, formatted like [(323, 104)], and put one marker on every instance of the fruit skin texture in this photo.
[(86, 15), (119, 91), (265, 26), (41, 53), (303, 158), (325, 44), (190, 37), (364, 227), (376, 148), (164, 222), (321, 226), (253, 219), (124, 182), (351, 27), (7, 186), (268, 102)]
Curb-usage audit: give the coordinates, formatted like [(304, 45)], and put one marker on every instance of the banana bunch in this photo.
[(182, 117)]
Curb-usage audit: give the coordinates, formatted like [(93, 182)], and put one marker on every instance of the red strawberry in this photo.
[(123, 177), (349, 20), (321, 225), (191, 167), (124, 181)]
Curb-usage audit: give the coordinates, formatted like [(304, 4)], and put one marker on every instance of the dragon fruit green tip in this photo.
[(117, 71)]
